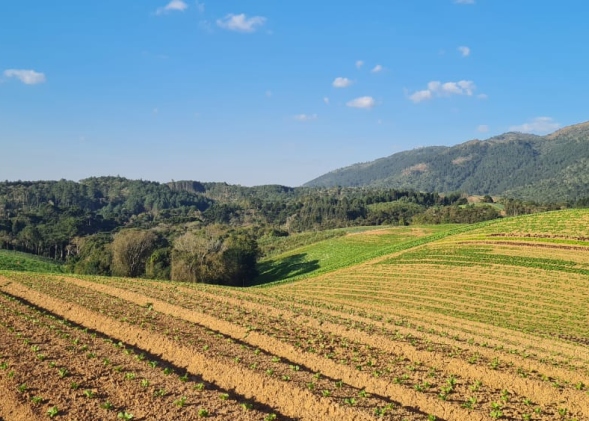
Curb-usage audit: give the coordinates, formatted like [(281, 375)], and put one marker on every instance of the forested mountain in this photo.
[(528, 167)]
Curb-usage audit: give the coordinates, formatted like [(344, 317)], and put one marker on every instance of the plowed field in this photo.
[(485, 324)]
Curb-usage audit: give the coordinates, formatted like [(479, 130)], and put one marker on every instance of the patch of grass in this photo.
[(24, 262)]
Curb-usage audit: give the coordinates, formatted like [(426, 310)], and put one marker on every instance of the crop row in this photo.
[(359, 357), (60, 368), (311, 394)]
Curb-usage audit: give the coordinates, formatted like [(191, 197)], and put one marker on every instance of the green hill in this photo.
[(346, 247), (529, 167), (24, 262)]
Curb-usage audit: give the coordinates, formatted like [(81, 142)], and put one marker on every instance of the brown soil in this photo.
[(110, 374), (492, 377)]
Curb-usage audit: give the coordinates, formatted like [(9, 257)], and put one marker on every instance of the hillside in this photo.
[(524, 166), (484, 322), (25, 262), (346, 248)]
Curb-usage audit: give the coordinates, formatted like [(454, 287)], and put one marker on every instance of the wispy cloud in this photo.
[(483, 128), (359, 64), (269, 94), (377, 69), (200, 7), (537, 125), (326, 101), (483, 96), (306, 117), (439, 89), (28, 77), (342, 82), (365, 102), (465, 51), (173, 6), (464, 1), (241, 23)]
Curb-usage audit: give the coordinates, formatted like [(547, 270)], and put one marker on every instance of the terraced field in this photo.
[(487, 323)]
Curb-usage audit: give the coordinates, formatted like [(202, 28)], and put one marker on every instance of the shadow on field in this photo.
[(289, 267)]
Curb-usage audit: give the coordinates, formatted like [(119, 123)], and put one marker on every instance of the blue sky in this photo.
[(272, 91)]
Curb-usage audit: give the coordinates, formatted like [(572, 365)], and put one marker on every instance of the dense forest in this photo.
[(551, 168), (201, 232)]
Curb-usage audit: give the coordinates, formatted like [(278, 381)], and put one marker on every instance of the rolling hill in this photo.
[(542, 168), (481, 322)]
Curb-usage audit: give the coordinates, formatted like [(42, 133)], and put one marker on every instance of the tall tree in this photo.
[(130, 249)]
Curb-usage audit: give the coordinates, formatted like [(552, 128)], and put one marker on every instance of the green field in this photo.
[(13, 260), (348, 247)]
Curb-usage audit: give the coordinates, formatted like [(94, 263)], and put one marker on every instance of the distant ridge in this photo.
[(530, 167)]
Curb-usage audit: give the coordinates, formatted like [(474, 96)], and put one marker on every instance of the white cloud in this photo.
[(241, 23), (306, 117), (378, 68), (421, 96), (342, 82), (173, 6), (483, 96), (200, 7), (359, 64), (464, 1), (483, 128), (366, 102), (28, 77), (537, 125), (326, 100), (465, 51), (439, 89)]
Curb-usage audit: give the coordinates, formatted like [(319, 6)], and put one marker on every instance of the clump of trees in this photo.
[(213, 256)]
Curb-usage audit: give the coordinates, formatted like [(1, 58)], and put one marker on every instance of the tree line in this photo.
[(200, 232)]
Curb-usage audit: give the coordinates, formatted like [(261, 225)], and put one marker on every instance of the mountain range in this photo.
[(550, 168)]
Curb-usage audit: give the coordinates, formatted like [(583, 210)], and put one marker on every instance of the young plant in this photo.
[(203, 413), (180, 402), (52, 411), (36, 400), (107, 405), (125, 416)]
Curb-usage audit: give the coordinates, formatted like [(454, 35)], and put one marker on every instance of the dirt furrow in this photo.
[(539, 392), (294, 403), (540, 348), (449, 323), (408, 398), (131, 380)]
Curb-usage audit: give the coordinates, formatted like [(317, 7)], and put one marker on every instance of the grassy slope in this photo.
[(347, 248), (11, 260), (527, 273)]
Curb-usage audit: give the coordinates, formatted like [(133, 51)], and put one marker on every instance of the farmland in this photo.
[(451, 323)]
